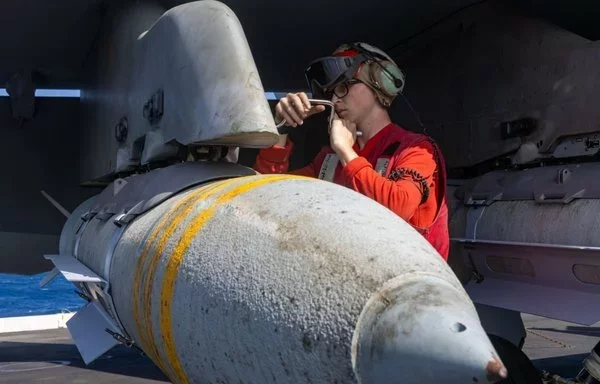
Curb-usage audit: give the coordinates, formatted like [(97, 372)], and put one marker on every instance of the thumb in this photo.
[(316, 109)]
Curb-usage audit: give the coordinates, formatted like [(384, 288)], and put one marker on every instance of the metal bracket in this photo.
[(153, 109), (124, 340), (86, 219), (107, 264), (554, 184), (121, 221), (477, 276), (121, 130), (125, 218), (474, 214)]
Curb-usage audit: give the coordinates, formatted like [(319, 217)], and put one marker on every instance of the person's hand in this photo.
[(294, 108), (342, 136)]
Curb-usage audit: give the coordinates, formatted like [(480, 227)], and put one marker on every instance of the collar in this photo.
[(373, 143)]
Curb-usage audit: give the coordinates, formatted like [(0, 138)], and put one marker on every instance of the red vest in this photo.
[(396, 141), (437, 233)]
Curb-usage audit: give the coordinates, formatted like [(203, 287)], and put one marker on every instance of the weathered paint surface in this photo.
[(286, 279), (197, 54)]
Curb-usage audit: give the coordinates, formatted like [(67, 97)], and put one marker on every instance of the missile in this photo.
[(223, 275), (269, 279)]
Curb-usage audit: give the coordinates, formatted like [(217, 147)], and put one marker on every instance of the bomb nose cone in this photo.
[(496, 371), (423, 330)]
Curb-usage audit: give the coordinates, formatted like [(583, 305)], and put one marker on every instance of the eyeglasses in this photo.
[(342, 89)]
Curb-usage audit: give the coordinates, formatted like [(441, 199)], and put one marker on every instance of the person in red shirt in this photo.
[(402, 170)]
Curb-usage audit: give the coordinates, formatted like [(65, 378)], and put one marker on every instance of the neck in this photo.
[(372, 124)]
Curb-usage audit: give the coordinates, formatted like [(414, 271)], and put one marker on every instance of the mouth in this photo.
[(340, 111)]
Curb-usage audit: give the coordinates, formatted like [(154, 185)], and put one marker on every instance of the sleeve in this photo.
[(402, 196), (276, 159)]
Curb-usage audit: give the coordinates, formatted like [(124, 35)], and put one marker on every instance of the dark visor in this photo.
[(323, 74)]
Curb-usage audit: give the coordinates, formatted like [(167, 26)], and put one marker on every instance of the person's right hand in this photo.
[(294, 108)]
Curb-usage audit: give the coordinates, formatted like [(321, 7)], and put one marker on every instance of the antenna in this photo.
[(56, 204)]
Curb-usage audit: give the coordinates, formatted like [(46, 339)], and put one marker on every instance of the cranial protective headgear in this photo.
[(359, 61)]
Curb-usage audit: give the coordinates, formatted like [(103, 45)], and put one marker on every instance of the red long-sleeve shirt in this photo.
[(403, 196)]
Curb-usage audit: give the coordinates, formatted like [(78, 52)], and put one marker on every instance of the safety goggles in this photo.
[(322, 75)]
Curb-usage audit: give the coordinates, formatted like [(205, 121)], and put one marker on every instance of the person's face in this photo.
[(353, 100)]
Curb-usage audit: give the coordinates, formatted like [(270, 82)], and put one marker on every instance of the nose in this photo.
[(421, 331)]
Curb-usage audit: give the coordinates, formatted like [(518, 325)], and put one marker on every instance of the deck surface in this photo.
[(51, 357)]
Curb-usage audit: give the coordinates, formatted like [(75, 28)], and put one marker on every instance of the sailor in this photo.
[(402, 170)]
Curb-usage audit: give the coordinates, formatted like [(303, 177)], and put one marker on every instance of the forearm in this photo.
[(277, 159), (274, 159)]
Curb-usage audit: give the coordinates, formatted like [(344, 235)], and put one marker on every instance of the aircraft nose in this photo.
[(423, 331)]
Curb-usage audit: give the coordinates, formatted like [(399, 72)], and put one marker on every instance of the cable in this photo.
[(415, 114)]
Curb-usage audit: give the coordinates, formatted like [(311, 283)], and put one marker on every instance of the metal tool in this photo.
[(284, 130)]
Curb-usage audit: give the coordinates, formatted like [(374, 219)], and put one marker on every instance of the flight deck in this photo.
[(51, 357)]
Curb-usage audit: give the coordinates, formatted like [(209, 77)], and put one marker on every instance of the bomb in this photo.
[(270, 279)]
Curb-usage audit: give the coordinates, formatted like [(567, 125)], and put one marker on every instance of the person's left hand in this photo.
[(342, 134)]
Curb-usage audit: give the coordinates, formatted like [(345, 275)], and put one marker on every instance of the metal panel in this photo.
[(73, 270), (499, 64), (209, 90), (87, 327), (535, 278), (550, 184)]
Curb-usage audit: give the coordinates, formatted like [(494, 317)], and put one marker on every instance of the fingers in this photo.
[(304, 99), (298, 105), (338, 123), (291, 109), (290, 113), (295, 107), (336, 120), (309, 108), (316, 109)]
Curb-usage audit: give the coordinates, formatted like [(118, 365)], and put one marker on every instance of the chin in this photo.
[(346, 115)]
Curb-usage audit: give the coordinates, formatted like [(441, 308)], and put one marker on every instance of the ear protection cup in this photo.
[(380, 75)]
